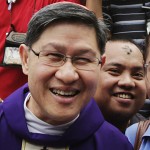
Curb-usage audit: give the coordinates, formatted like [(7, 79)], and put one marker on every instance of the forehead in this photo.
[(60, 28), (68, 37), (125, 52)]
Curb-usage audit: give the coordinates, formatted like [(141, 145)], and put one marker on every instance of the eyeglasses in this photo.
[(147, 69), (55, 59)]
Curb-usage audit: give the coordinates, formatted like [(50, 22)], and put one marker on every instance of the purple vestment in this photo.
[(89, 132)]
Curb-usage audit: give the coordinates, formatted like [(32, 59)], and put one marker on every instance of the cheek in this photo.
[(140, 91), (38, 73), (142, 87), (91, 81), (106, 81)]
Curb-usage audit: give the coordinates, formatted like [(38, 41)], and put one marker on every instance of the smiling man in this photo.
[(121, 91), (55, 110)]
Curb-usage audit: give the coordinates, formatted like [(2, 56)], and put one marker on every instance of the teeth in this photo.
[(125, 96), (64, 93)]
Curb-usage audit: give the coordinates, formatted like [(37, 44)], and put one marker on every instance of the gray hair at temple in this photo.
[(65, 12)]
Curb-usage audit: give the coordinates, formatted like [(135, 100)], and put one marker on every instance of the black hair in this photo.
[(65, 12)]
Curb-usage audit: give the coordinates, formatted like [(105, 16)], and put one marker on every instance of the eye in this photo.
[(82, 60), (114, 71), (139, 75), (54, 56)]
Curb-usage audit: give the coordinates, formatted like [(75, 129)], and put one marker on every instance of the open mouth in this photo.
[(64, 93), (124, 95)]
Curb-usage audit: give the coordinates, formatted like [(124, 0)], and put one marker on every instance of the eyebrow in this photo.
[(121, 66), (54, 45), (138, 68), (113, 64)]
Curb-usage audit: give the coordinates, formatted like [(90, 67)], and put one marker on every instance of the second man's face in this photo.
[(121, 89)]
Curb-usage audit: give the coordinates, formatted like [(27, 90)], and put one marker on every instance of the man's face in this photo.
[(59, 93), (121, 89)]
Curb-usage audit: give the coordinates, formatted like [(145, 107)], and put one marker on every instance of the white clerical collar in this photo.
[(35, 125)]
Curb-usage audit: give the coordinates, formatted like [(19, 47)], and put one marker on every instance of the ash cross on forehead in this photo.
[(127, 49)]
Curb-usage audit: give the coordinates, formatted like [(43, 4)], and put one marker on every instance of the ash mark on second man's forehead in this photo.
[(127, 49)]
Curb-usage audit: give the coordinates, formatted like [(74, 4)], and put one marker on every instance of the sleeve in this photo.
[(131, 133), (96, 7)]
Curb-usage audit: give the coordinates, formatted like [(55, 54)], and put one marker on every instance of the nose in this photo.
[(126, 81), (67, 73)]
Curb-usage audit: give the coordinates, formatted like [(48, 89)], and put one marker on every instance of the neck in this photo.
[(122, 126), (121, 123)]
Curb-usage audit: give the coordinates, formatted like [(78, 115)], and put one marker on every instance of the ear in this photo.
[(23, 51), (103, 60)]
